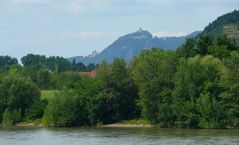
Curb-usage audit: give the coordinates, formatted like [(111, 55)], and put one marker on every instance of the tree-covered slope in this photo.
[(227, 24)]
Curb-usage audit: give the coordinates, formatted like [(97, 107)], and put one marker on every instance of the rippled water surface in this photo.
[(113, 136)]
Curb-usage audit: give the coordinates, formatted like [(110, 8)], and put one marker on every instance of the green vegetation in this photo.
[(6, 62), (217, 27), (73, 107), (136, 122), (195, 87), (17, 95), (153, 73), (196, 99), (232, 31), (117, 98), (48, 94)]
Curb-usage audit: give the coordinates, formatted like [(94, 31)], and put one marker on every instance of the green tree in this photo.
[(154, 71), (61, 110), (74, 107), (10, 117), (58, 64), (17, 93), (230, 95), (222, 46), (6, 62), (36, 110), (197, 83), (229, 43), (80, 67), (32, 59), (219, 51), (188, 49), (117, 99), (43, 79), (53, 63), (203, 43)]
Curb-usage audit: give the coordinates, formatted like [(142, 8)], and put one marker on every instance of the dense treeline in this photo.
[(194, 87), (47, 72), (111, 97), (55, 63), (6, 62)]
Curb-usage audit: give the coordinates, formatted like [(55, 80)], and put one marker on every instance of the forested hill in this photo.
[(227, 24), (131, 45)]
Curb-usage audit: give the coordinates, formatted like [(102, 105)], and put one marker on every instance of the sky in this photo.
[(78, 27)]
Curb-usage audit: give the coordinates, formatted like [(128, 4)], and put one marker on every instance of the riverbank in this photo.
[(113, 125), (30, 123), (136, 123), (120, 125)]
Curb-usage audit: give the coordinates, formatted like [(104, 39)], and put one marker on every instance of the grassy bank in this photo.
[(136, 122), (31, 123), (139, 123)]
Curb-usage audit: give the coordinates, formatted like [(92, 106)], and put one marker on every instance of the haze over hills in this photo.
[(131, 45)]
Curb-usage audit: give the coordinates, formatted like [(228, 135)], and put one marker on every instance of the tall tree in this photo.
[(154, 71), (6, 62), (117, 100), (188, 49), (230, 95), (196, 93), (203, 43)]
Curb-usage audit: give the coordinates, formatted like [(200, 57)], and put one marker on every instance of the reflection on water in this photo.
[(113, 136)]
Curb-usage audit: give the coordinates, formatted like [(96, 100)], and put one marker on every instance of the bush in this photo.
[(11, 117), (17, 93), (61, 110), (36, 110), (67, 109), (74, 107)]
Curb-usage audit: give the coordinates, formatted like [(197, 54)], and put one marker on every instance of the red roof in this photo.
[(88, 74)]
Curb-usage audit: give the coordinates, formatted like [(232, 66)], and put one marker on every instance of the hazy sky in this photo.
[(77, 27)]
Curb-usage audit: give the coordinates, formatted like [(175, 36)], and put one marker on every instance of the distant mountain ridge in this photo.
[(131, 45)]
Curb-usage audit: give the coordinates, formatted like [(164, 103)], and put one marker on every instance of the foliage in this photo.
[(17, 93), (48, 94), (216, 27), (53, 63), (136, 122), (230, 95), (117, 99), (61, 110), (7, 118), (43, 78), (10, 117), (6, 62), (73, 107), (219, 46), (196, 92), (153, 74), (36, 110), (187, 49), (195, 87)]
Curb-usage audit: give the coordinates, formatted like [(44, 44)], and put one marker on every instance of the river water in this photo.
[(116, 136)]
